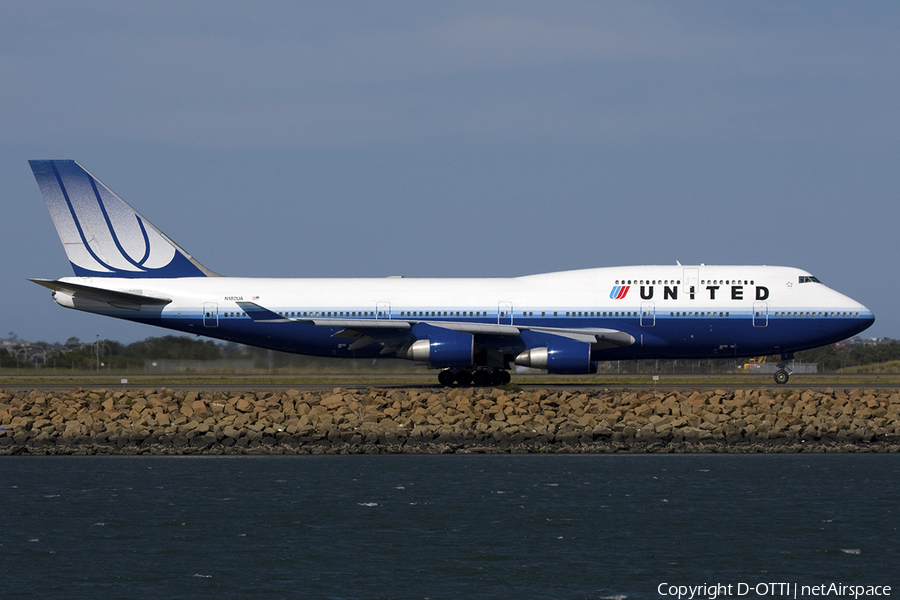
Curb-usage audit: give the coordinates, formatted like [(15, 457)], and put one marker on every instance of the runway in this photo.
[(427, 381)]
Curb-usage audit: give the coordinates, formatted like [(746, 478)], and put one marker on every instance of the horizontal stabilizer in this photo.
[(127, 300)]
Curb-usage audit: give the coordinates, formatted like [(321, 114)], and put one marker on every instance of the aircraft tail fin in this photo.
[(103, 235)]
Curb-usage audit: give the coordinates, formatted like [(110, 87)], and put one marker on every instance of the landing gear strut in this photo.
[(480, 377)]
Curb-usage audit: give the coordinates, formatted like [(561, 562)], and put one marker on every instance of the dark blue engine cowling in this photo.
[(556, 354), (440, 347)]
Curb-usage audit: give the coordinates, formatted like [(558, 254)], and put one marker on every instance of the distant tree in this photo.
[(174, 347), (839, 356), (77, 358)]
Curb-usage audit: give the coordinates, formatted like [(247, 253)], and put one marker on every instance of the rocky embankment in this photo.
[(454, 420)]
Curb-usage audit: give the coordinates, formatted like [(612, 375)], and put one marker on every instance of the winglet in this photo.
[(103, 235)]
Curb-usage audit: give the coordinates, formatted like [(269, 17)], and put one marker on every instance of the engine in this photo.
[(440, 347), (558, 355)]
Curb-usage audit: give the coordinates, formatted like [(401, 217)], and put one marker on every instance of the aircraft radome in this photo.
[(474, 330)]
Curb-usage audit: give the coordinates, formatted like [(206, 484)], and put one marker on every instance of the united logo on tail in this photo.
[(103, 235)]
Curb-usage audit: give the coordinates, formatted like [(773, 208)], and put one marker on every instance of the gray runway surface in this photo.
[(427, 381)]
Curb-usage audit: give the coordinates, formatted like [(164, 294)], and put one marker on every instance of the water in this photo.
[(442, 526)]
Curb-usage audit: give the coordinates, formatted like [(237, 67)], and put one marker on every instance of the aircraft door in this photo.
[(691, 281), (760, 314), (648, 314), (382, 310), (504, 313), (210, 314)]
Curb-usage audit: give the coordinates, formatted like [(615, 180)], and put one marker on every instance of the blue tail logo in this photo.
[(103, 235)]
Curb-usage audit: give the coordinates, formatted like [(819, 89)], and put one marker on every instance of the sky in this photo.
[(446, 139)]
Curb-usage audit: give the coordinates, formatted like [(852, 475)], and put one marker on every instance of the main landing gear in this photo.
[(479, 377)]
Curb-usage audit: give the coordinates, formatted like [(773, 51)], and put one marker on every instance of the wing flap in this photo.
[(476, 328), (358, 323), (602, 338)]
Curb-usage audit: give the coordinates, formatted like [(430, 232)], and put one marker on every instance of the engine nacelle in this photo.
[(440, 347), (559, 355)]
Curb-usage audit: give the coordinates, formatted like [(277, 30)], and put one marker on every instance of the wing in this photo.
[(392, 333)]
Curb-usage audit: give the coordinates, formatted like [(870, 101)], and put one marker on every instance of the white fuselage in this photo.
[(670, 310)]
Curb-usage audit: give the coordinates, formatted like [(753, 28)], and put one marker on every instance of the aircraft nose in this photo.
[(869, 319), (866, 318)]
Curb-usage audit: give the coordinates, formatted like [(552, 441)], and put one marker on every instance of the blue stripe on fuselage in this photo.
[(670, 337)]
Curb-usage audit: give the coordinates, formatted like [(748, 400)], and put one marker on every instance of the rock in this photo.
[(200, 410), (491, 419)]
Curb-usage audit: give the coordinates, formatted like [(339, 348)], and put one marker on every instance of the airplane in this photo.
[(473, 330)]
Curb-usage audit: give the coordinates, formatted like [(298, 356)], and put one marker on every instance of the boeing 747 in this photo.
[(473, 330)]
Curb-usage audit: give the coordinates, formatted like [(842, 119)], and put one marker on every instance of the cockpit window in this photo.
[(808, 279)]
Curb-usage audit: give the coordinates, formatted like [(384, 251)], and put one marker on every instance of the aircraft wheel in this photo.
[(463, 377), (446, 377), (781, 377), (503, 377), (481, 377)]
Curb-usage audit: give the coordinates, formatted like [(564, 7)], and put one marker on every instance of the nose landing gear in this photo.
[(784, 371)]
